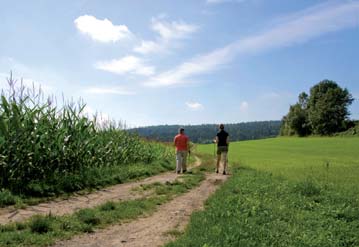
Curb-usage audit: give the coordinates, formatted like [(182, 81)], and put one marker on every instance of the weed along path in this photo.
[(120, 192), (157, 229)]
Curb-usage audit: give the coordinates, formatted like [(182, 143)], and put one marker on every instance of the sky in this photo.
[(154, 62)]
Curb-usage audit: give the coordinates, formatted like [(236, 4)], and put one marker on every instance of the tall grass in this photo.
[(41, 143)]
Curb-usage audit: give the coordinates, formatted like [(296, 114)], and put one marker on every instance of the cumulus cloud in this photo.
[(128, 64), (299, 28), (194, 105), (167, 32), (101, 30)]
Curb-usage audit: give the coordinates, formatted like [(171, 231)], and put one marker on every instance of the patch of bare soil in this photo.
[(152, 230), (68, 206)]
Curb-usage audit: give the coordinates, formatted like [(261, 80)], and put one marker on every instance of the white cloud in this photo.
[(198, 65), (102, 119), (304, 26), (101, 30), (222, 1), (168, 32), (172, 30), (109, 90), (128, 64), (88, 111), (244, 106), (148, 47), (194, 105)]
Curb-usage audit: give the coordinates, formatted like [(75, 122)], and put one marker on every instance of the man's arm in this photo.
[(188, 146)]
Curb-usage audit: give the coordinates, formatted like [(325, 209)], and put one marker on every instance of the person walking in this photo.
[(222, 140), (181, 142)]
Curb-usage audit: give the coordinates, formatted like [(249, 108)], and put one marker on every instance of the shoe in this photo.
[(224, 173), (178, 172), (184, 171), (216, 171)]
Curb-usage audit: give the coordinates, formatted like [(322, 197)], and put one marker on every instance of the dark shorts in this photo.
[(221, 149)]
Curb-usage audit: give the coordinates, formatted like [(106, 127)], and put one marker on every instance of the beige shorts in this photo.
[(222, 149)]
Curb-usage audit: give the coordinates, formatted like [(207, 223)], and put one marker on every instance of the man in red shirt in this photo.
[(181, 142)]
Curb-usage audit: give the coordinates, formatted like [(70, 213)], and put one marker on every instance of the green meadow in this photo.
[(282, 192), (330, 160)]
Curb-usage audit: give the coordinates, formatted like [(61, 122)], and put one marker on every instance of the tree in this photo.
[(296, 121), (328, 107), (303, 100)]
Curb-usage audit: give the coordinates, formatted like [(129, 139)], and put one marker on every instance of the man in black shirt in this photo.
[(222, 148)]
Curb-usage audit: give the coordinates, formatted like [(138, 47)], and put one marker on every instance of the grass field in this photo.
[(331, 160), (283, 192)]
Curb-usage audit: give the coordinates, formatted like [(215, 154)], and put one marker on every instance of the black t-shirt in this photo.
[(222, 138)]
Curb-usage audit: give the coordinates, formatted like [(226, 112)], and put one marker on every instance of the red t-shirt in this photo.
[(181, 141)]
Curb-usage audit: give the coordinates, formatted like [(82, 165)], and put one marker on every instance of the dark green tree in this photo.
[(296, 121), (328, 107)]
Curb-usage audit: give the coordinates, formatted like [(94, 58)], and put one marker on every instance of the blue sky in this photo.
[(181, 62)]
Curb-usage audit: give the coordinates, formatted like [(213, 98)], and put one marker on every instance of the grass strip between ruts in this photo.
[(45, 230)]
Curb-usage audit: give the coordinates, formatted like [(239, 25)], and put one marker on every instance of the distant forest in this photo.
[(205, 133)]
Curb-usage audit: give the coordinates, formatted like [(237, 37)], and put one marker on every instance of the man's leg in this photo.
[(178, 161), (218, 161), (224, 162), (184, 161)]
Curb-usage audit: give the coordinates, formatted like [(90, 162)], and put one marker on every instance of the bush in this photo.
[(6, 198)]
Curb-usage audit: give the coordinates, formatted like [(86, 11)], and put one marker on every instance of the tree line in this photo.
[(205, 133), (323, 112)]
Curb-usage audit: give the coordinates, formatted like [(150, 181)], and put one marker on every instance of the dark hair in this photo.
[(181, 129), (221, 126)]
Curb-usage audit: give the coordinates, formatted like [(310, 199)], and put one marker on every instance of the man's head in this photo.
[(221, 126), (181, 130)]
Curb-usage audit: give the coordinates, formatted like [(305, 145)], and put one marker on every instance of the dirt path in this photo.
[(76, 202), (152, 230)]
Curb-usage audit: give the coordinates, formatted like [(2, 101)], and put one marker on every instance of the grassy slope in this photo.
[(283, 195)]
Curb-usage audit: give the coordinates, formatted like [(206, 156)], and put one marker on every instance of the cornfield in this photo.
[(40, 141)]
